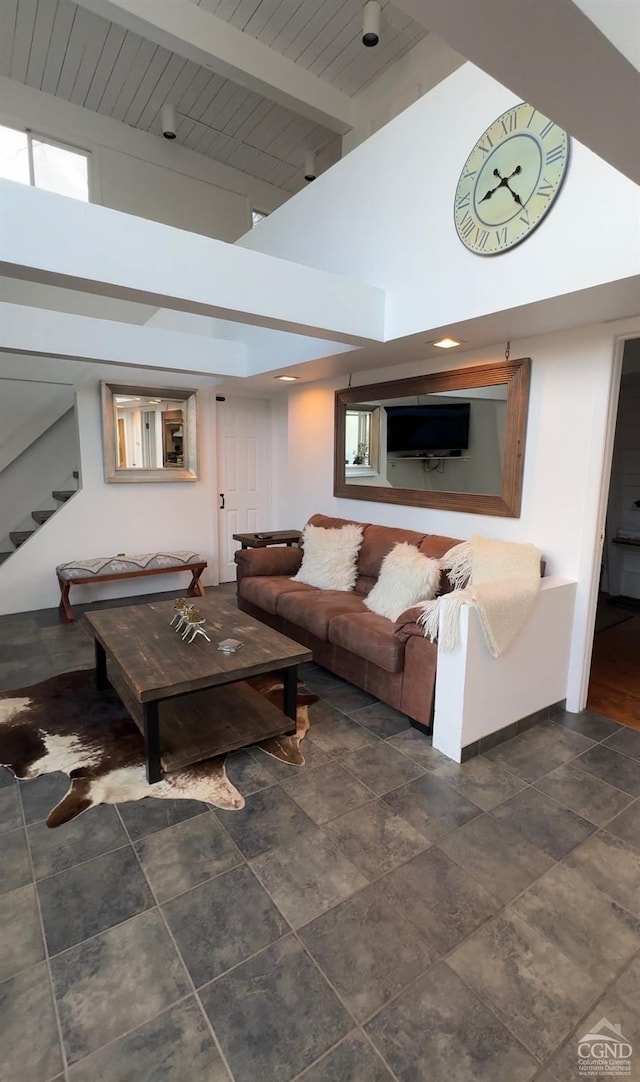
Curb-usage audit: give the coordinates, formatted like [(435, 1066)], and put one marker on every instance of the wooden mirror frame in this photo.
[(515, 374), (129, 475)]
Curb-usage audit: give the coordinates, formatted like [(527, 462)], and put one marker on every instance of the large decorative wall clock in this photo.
[(510, 180)]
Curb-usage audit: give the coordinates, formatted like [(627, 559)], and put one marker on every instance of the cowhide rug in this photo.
[(65, 724)]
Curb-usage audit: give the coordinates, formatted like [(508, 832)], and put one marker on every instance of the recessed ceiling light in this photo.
[(446, 343), (288, 379)]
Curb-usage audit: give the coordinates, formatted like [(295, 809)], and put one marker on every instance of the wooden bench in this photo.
[(110, 568)]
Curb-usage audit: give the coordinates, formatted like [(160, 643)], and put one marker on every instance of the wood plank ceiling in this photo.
[(67, 51)]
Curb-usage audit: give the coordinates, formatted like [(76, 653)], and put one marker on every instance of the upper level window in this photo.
[(257, 216), (42, 163)]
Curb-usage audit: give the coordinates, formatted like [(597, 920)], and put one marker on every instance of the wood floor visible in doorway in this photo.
[(614, 687)]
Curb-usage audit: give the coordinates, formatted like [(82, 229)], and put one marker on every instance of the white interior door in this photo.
[(244, 474)]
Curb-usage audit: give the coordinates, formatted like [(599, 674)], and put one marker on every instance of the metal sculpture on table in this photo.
[(188, 620)]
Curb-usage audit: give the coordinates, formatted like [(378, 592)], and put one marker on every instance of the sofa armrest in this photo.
[(274, 560), (407, 624)]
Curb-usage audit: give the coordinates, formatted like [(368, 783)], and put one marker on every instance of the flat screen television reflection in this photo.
[(429, 428)]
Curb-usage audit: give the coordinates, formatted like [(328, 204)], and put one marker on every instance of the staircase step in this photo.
[(18, 537), (4, 556), (63, 494), (41, 516)]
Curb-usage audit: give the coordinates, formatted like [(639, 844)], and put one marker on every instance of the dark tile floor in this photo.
[(378, 914)]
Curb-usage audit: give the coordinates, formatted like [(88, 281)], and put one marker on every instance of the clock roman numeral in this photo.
[(533, 113), (524, 217), (547, 128), (545, 189), (509, 123), (467, 225), (501, 236), (555, 154), (463, 201), (481, 238), (486, 149), (468, 174)]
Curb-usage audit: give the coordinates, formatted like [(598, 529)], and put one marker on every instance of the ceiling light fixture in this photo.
[(371, 24), (446, 343), (310, 166), (287, 379), (168, 121)]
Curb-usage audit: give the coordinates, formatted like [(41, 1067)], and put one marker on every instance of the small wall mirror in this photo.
[(149, 433), (453, 440)]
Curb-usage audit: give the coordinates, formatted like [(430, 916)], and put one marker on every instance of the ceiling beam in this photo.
[(44, 333), (550, 54), (197, 35)]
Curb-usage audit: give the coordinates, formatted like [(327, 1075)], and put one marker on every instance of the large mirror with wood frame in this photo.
[(453, 440)]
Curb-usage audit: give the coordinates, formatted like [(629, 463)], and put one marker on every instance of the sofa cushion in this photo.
[(435, 545), (370, 636), (265, 590), (313, 610), (377, 542), (330, 523), (329, 557), (406, 577)]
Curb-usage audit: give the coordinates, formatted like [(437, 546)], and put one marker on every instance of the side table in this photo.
[(261, 539)]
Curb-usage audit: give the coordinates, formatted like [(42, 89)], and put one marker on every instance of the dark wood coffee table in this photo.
[(190, 700)]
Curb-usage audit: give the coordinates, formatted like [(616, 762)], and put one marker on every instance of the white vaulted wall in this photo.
[(385, 214), (417, 72)]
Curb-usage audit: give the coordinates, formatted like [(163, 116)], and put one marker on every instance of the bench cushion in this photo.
[(114, 565)]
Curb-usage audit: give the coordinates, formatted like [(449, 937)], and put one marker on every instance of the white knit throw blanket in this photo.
[(503, 582)]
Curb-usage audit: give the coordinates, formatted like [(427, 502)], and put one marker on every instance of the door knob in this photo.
[(222, 499)]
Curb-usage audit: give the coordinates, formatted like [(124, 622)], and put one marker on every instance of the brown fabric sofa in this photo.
[(392, 661)]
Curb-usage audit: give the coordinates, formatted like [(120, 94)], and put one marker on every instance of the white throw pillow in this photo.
[(406, 578), (329, 558)]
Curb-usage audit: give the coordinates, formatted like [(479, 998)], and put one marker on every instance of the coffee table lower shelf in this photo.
[(202, 724)]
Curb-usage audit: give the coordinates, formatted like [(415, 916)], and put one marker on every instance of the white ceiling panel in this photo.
[(71, 52), (96, 32), (315, 33), (102, 73), (58, 42), (22, 36)]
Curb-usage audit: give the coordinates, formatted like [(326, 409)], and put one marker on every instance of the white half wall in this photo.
[(96, 250), (477, 694), (140, 173)]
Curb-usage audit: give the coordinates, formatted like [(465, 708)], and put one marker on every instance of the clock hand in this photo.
[(504, 183), (496, 173), (516, 197)]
